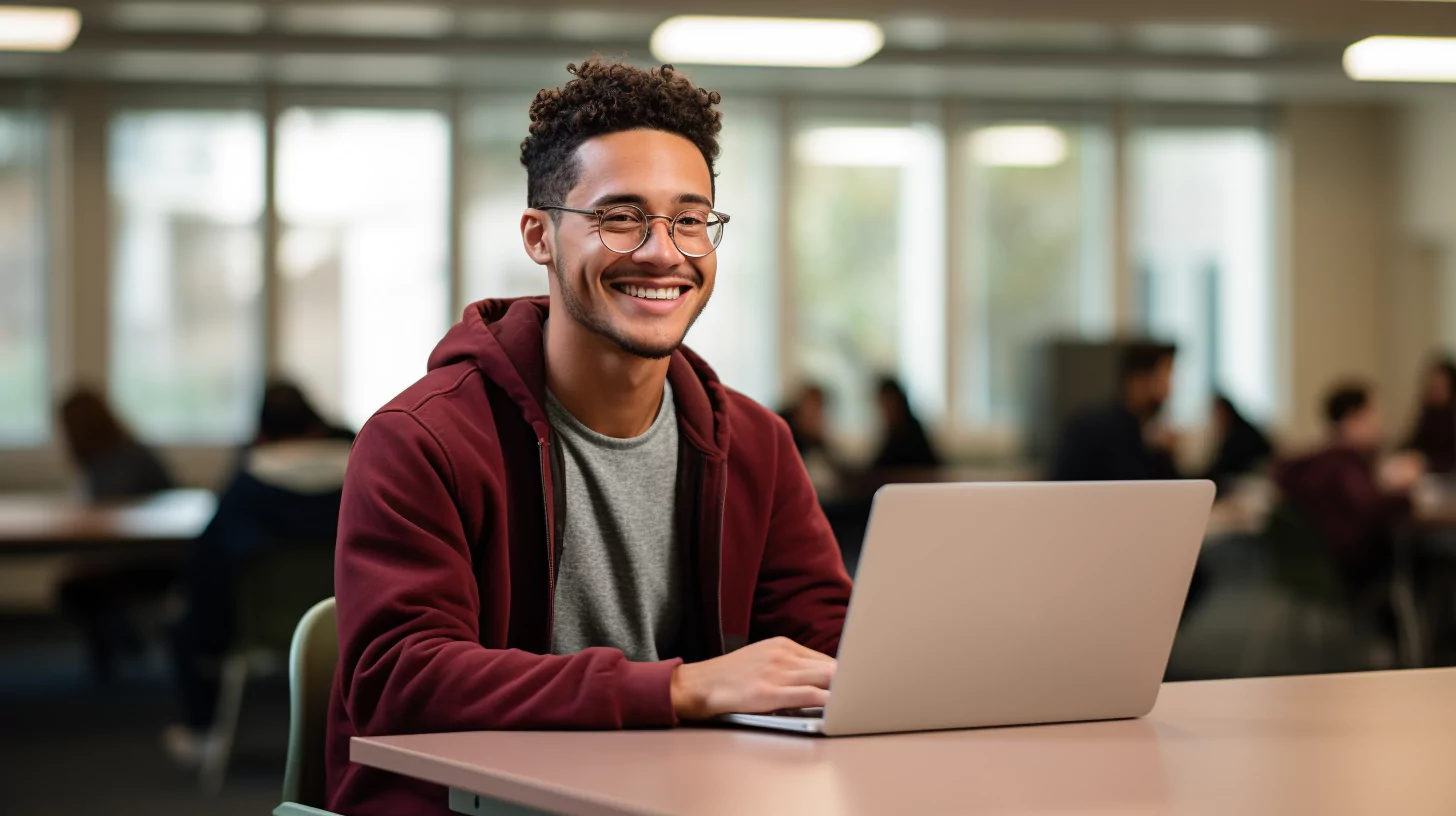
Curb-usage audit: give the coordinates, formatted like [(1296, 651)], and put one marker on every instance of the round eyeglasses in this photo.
[(623, 228)]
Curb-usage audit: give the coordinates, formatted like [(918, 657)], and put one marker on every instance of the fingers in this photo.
[(800, 697), (804, 651), (816, 674)]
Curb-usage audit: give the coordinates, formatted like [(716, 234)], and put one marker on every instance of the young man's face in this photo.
[(662, 174)]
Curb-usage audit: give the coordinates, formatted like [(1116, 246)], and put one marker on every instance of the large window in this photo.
[(1203, 221), (362, 202), (1038, 199), (867, 228), (738, 332), (187, 200), (496, 264), (24, 407)]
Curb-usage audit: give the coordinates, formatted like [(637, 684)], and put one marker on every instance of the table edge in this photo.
[(505, 786)]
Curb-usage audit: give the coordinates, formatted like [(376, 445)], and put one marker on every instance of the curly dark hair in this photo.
[(610, 97)]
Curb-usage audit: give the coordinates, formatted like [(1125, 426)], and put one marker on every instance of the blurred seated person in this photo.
[(1242, 447), (100, 593), (806, 418), (1434, 436), (1354, 502), (1123, 440), (113, 464), (905, 445), (286, 491)]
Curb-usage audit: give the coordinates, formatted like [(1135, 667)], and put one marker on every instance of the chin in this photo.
[(651, 348)]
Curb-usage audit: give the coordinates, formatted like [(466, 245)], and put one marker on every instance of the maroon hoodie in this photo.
[(449, 544)]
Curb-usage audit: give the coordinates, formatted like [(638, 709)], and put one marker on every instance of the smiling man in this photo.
[(570, 522)]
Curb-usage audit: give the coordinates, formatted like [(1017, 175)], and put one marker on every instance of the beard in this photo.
[(598, 323)]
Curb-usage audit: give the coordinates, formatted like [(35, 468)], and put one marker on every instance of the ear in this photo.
[(535, 235)]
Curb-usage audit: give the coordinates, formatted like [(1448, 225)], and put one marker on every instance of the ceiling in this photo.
[(1189, 50)]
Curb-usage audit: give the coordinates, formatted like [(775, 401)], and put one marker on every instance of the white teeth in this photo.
[(668, 293)]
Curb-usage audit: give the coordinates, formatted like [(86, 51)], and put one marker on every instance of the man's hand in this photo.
[(759, 678), (1401, 472)]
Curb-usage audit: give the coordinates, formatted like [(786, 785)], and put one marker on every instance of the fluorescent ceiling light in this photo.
[(1402, 59), (861, 146), (1019, 146), (31, 28), (766, 41)]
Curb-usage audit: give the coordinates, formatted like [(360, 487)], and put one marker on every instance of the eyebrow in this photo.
[(612, 199)]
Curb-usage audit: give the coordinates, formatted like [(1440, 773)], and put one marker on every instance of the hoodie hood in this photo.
[(504, 339)]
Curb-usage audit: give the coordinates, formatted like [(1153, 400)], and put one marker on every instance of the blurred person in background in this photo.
[(1123, 440), (807, 418), (286, 491), (113, 464), (905, 445), (1242, 447), (103, 594), (1434, 436), (1355, 501)]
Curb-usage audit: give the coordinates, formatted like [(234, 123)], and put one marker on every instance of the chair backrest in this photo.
[(1299, 560), (311, 663), (276, 588)]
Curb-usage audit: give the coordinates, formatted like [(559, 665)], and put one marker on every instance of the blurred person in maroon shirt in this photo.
[(1354, 499)]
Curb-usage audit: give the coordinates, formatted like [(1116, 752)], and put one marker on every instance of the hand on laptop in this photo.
[(766, 676)]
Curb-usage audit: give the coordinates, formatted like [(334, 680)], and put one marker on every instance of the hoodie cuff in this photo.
[(646, 700)]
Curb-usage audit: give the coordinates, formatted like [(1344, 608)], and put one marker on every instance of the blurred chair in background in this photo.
[(109, 596), (1310, 599), (1434, 436), (1122, 440), (284, 497), (905, 444), (1242, 447)]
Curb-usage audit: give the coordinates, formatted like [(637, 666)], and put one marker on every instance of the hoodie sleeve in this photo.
[(410, 657), (803, 589)]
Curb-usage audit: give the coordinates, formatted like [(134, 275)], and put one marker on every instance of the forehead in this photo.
[(655, 165)]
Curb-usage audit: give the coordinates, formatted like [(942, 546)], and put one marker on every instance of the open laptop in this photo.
[(1010, 604)]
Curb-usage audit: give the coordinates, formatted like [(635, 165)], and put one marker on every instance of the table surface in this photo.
[(1381, 742), (48, 522)]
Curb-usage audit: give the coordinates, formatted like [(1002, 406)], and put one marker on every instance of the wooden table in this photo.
[(41, 524), (1377, 743)]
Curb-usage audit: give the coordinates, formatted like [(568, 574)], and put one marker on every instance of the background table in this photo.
[(1331, 744), (42, 524)]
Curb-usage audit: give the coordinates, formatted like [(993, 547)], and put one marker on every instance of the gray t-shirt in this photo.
[(620, 576)]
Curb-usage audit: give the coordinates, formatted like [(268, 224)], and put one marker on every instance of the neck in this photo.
[(614, 393)]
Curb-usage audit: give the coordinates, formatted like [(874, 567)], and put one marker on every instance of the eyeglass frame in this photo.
[(647, 217)]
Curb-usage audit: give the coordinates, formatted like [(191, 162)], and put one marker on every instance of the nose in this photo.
[(658, 249)]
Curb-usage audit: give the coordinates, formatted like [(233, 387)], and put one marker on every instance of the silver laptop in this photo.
[(1010, 604)]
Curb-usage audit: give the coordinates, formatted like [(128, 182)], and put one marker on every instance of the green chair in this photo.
[(273, 593), (1304, 579), (311, 664)]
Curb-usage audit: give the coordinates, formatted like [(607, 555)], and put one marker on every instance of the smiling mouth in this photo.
[(651, 292)]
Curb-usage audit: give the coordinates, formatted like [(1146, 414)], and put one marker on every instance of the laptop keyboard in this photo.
[(804, 713)]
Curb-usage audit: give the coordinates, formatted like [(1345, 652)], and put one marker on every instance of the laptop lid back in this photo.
[(1001, 604)]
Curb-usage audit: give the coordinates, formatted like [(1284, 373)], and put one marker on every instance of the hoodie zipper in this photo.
[(550, 548), (722, 512)]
